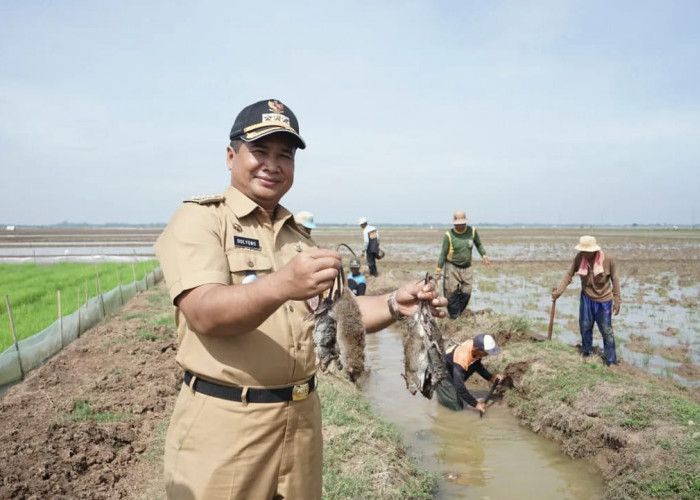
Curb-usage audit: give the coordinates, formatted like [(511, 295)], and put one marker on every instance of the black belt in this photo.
[(291, 393), (457, 265)]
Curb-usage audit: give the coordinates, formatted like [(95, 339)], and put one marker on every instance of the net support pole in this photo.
[(14, 335)]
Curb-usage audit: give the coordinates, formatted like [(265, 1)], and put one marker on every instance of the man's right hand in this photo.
[(555, 294), (480, 407), (309, 273)]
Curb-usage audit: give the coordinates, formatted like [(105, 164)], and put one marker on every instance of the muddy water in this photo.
[(488, 458)]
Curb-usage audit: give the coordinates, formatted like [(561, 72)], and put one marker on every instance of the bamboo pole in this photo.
[(100, 299), (79, 332), (14, 335), (60, 317), (119, 280), (133, 273)]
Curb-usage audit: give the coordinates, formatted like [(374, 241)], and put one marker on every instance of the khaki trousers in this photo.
[(458, 278), (219, 449)]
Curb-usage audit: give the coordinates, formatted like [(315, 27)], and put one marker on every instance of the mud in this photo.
[(87, 424)]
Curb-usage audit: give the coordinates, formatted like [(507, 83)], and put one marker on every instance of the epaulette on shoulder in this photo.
[(205, 199)]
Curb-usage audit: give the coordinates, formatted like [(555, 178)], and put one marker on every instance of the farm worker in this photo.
[(356, 280), (461, 362), (370, 237), (456, 257), (247, 421), (600, 296), (305, 222)]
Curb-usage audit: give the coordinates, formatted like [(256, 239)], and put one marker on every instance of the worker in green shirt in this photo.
[(456, 257)]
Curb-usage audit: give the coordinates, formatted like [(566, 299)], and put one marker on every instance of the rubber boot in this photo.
[(373, 270), (463, 303), (454, 302)]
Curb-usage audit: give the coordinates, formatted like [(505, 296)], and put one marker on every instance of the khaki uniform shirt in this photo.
[(222, 240)]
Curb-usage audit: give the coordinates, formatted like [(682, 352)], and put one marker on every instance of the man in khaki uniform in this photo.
[(247, 421)]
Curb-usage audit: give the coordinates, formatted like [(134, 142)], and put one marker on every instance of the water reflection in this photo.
[(491, 457)]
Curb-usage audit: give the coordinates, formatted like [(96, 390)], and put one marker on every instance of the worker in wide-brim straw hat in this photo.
[(305, 221), (600, 296), (456, 258)]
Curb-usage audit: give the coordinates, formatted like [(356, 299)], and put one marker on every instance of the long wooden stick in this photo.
[(551, 319), (14, 335), (488, 396)]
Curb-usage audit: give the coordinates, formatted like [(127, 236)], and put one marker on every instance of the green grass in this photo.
[(363, 455), (82, 411), (32, 291)]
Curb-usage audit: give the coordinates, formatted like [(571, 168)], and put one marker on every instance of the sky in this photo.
[(552, 112)]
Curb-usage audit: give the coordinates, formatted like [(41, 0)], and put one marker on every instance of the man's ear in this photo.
[(230, 156)]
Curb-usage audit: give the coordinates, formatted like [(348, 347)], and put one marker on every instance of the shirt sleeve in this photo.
[(459, 376), (443, 251), (615, 283), (566, 280), (478, 245), (190, 250)]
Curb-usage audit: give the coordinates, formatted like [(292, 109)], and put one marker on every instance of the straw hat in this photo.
[(587, 244), (459, 217), (363, 220)]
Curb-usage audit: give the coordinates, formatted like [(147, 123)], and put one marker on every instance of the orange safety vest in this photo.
[(463, 354)]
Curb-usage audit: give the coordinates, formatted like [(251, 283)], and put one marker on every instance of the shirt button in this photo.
[(298, 346), (250, 263), (291, 308)]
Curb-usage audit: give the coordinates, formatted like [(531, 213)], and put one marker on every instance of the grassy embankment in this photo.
[(641, 431), (32, 291)]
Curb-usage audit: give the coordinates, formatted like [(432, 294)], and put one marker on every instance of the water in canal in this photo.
[(490, 458)]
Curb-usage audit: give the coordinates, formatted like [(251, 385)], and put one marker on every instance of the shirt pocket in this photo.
[(247, 266)]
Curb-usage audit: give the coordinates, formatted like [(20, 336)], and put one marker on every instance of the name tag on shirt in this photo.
[(250, 243)]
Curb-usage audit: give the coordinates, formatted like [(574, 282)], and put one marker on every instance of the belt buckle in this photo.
[(300, 392)]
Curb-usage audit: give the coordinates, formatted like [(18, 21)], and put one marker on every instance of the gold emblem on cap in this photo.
[(276, 106)]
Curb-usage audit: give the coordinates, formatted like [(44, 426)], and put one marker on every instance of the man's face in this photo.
[(478, 353), (460, 228), (263, 170)]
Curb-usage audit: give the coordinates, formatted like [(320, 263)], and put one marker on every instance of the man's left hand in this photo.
[(410, 294), (616, 309), (486, 260)]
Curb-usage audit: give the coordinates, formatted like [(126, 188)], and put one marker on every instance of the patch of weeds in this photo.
[(127, 317), (158, 299), (82, 411), (148, 335), (155, 451), (683, 411), (682, 485), (340, 408), (164, 320), (635, 412)]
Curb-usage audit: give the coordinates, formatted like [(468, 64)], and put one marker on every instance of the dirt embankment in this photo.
[(89, 423)]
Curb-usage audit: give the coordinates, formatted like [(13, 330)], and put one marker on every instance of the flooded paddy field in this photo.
[(46, 245), (658, 328)]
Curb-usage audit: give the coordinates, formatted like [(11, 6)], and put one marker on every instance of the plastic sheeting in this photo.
[(35, 350)]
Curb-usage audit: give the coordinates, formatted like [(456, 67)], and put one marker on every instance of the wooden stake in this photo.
[(60, 317), (551, 319), (14, 335), (119, 280)]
